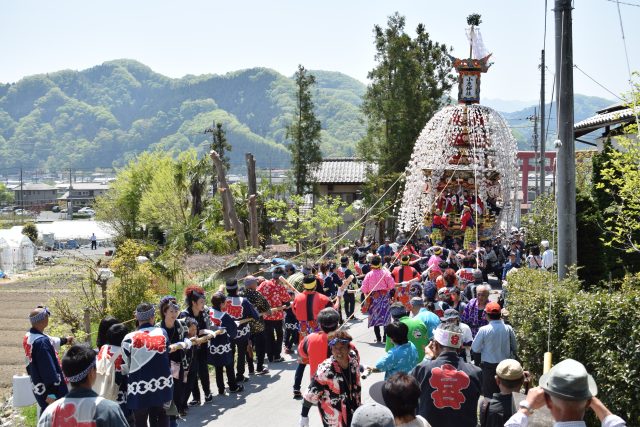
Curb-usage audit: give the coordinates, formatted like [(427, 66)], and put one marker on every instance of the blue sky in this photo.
[(197, 37)]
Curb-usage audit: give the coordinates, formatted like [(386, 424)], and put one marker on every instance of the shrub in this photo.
[(31, 231), (600, 328)]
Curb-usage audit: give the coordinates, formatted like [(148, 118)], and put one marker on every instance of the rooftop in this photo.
[(342, 170), (613, 115), (30, 186), (84, 186)]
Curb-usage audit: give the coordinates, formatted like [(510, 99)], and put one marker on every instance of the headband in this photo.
[(167, 298), (447, 338), (82, 375), (36, 318), (310, 286), (146, 315), (195, 295), (335, 341), (375, 267)]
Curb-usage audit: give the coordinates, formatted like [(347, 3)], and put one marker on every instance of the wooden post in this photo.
[(226, 195), (87, 325), (253, 191)]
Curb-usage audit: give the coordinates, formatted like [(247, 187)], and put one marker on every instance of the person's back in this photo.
[(495, 411)]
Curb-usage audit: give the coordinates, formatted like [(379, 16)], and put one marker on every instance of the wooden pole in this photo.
[(228, 197), (87, 325), (251, 203)]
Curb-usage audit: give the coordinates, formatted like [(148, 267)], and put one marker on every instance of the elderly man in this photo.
[(419, 312), (449, 387), (41, 354), (547, 255), (495, 342), (568, 391)]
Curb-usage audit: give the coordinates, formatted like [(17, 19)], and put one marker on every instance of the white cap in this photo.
[(545, 243)]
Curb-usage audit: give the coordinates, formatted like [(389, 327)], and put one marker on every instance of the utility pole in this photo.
[(543, 135), (21, 198), (534, 119), (565, 144), (70, 199)]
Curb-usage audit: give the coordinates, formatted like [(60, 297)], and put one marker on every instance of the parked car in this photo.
[(55, 208), (87, 211)]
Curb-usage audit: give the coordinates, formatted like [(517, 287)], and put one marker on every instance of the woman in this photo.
[(104, 326), (474, 314), (534, 260), (194, 300), (336, 386), (177, 332), (377, 288)]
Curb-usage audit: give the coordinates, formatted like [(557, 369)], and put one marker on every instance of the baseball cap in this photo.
[(509, 369), (373, 415), (493, 308)]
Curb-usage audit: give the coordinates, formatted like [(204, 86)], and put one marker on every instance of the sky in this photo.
[(176, 38)]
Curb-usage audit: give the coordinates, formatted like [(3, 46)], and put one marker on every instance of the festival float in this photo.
[(461, 179)]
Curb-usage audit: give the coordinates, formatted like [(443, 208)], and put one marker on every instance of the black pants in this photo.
[(203, 373), (376, 330), (94, 245), (231, 377), (349, 304), (260, 347), (240, 352), (192, 382), (274, 344), (157, 417), (290, 338), (179, 390), (489, 385), (297, 381)]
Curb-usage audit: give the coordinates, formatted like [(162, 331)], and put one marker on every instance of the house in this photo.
[(81, 193), (342, 177), (611, 121), (31, 195)]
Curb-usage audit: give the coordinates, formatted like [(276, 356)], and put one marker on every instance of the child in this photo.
[(402, 357), (220, 349), (111, 382), (291, 328)]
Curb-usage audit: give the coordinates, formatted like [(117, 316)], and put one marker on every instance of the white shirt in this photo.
[(467, 336), (521, 420), (548, 259)]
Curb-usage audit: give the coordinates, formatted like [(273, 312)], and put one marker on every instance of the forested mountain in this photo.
[(104, 115)]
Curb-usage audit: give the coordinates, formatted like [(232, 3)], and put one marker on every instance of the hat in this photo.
[(417, 302), (373, 415), (477, 274), (398, 311), (437, 251), (509, 369), (405, 259), (493, 308), (250, 280), (569, 380), (545, 243), (289, 267), (450, 314), (375, 391), (444, 291), (231, 285)]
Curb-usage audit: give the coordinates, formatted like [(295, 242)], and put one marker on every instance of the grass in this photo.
[(30, 414)]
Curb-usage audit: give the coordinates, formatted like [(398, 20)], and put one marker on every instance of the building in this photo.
[(81, 193), (611, 121), (31, 195)]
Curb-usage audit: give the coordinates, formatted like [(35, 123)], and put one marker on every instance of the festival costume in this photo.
[(179, 361), (400, 358), (201, 351), (336, 392), (449, 391), (221, 350), (430, 320), (257, 327), (349, 296), (306, 307), (43, 365), (111, 382), (145, 355), (277, 296), (467, 225), (240, 308), (83, 407), (474, 316), (402, 275), (418, 335), (378, 284)]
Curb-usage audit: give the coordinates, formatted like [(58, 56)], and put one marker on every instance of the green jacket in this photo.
[(418, 335)]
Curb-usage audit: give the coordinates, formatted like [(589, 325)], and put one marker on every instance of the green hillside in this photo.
[(104, 115)]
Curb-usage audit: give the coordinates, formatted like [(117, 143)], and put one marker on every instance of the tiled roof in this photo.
[(342, 170), (601, 120), (83, 186), (34, 187)]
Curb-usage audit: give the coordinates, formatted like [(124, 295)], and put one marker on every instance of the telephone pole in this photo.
[(534, 119), (565, 144), (543, 135)]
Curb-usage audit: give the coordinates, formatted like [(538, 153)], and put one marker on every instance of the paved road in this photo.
[(268, 400)]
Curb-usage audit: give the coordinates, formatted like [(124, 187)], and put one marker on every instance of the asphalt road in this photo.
[(268, 400)]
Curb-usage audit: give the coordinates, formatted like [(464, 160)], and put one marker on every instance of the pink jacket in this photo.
[(377, 280)]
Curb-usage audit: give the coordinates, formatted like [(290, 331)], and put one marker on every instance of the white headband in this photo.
[(447, 338)]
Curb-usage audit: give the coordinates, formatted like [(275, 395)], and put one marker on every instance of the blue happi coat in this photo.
[(220, 349), (43, 366)]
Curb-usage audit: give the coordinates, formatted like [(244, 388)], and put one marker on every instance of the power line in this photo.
[(596, 82), (625, 3)]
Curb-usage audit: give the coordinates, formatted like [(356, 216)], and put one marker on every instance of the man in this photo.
[(417, 331), (386, 249), (449, 387), (419, 312), (496, 342), (442, 302), (306, 307), (41, 356), (404, 275), (496, 411), (547, 256), (274, 291), (94, 241), (82, 406), (511, 263), (257, 326), (349, 297), (452, 316), (474, 313), (568, 391), (294, 277), (145, 356), (241, 310), (400, 393)]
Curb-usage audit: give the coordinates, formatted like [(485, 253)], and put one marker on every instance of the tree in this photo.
[(220, 145), (408, 86), (6, 195), (304, 132), (31, 231)]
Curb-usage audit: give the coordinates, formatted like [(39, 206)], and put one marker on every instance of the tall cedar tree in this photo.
[(304, 133), (408, 86), (220, 145)]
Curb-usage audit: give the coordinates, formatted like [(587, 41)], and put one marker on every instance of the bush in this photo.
[(31, 231), (600, 328)]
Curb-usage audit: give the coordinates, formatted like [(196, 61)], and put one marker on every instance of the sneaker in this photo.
[(208, 398), (238, 389), (194, 403), (297, 394), (279, 359), (263, 371)]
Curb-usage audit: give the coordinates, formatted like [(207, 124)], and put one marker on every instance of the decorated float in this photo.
[(461, 179)]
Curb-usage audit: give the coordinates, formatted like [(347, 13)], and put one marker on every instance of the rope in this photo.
[(626, 54)]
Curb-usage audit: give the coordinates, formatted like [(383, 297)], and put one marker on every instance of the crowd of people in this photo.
[(445, 330)]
